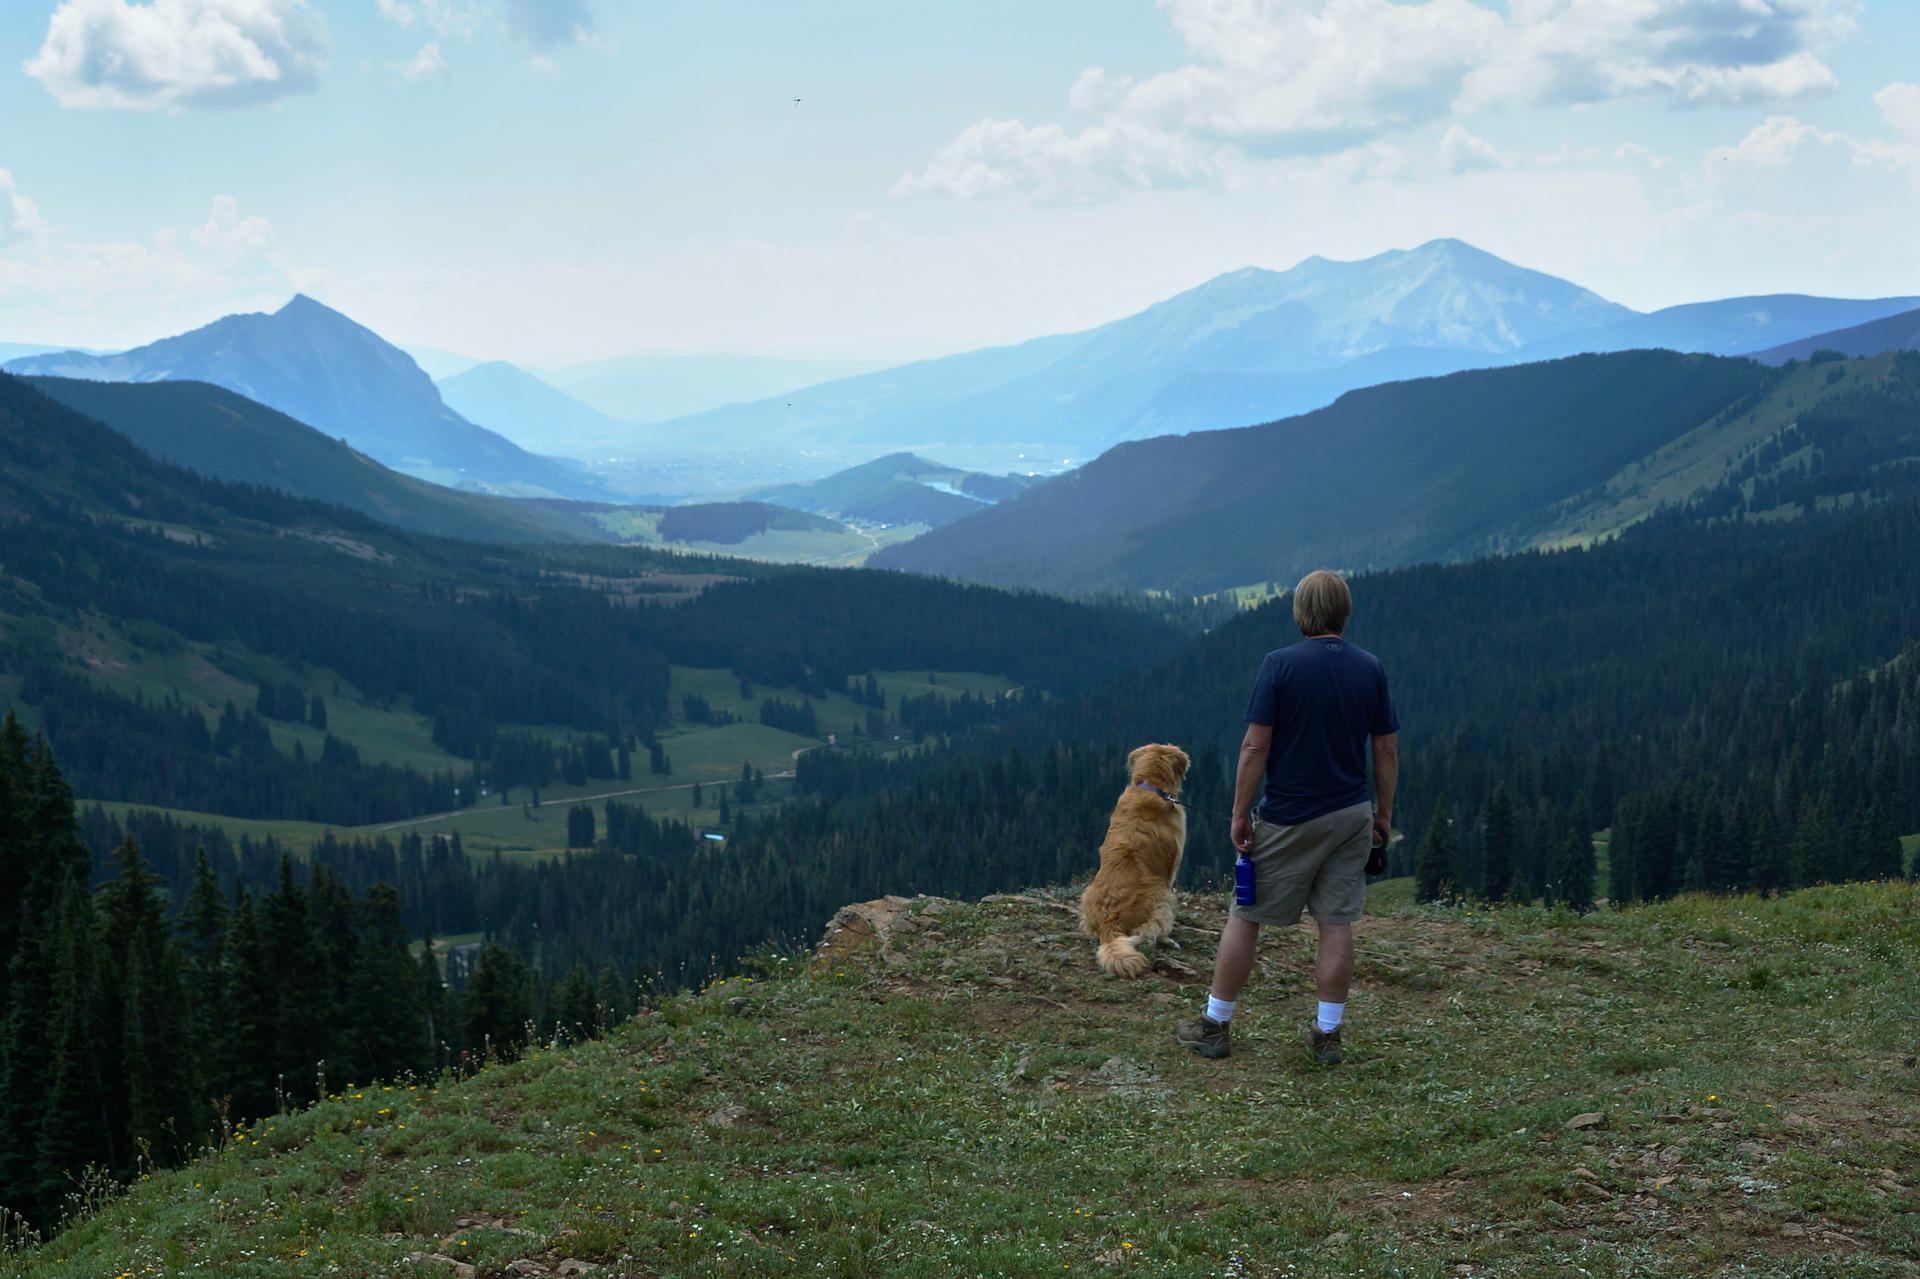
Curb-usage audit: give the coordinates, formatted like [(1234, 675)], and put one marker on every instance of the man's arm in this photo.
[(1386, 774), (1248, 782)]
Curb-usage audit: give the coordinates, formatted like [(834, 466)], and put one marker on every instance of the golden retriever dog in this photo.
[(1131, 898)]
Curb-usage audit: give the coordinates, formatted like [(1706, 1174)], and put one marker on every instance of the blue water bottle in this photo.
[(1242, 881)]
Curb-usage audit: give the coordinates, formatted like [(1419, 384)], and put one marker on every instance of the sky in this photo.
[(556, 180)]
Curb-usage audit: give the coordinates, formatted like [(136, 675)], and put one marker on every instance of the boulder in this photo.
[(876, 923)]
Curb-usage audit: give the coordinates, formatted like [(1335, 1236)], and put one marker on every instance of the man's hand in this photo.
[(1382, 826), (1242, 834)]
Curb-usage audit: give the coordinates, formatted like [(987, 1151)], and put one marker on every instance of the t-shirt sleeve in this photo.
[(1385, 718), (1264, 706)]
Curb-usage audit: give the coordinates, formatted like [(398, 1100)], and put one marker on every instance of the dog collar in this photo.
[(1156, 790)]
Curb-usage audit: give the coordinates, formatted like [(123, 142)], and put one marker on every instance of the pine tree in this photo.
[(243, 1048), (385, 998), (1497, 864), (300, 976), (143, 1017), (1809, 856), (75, 1129), (1574, 874), (611, 994), (1882, 857), (1434, 868), (432, 988), (1769, 870), (496, 1003), (578, 1009)]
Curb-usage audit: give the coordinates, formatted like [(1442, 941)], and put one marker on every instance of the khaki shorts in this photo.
[(1320, 865)]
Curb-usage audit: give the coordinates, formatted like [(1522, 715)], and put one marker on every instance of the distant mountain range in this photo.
[(225, 436), (319, 367), (1246, 347), (899, 489), (652, 388), (1477, 463), (1894, 333), (506, 398)]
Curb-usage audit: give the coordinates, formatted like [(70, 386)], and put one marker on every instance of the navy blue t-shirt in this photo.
[(1324, 698)]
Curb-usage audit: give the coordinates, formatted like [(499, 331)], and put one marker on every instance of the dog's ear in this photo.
[(1179, 759), (1133, 759)]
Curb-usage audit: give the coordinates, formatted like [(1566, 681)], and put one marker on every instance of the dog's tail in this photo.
[(1119, 957)]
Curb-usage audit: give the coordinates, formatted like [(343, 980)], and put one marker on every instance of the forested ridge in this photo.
[(471, 637)]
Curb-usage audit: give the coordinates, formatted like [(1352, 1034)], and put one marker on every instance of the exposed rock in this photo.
[(525, 1268), (739, 1006), (877, 922), (727, 1117), (570, 1267), (458, 1269), (1592, 1119)]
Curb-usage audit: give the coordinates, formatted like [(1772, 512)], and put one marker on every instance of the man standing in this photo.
[(1315, 705)]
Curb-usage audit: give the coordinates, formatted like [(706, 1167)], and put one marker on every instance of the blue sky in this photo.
[(551, 179)]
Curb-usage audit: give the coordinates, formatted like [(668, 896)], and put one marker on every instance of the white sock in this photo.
[(1220, 1010), (1328, 1019)]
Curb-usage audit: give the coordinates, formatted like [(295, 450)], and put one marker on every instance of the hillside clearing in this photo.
[(975, 1099)]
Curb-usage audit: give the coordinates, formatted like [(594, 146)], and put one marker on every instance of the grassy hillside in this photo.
[(1711, 453), (975, 1099)]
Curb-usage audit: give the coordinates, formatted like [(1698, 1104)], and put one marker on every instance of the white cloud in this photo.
[(1004, 157), (1774, 143), (446, 17), (51, 267), (179, 53), (17, 213), (1270, 79), (1900, 104), (546, 23), (229, 233), (1463, 151), (423, 67)]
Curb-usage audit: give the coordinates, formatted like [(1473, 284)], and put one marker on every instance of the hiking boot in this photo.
[(1205, 1036), (1324, 1044)]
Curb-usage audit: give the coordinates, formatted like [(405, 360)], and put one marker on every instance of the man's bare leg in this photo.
[(1233, 963), (1207, 1034), (1332, 975), (1333, 966)]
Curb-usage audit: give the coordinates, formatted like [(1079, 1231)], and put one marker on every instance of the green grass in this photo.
[(836, 712), (1701, 458), (979, 1101), (846, 547), (699, 753)]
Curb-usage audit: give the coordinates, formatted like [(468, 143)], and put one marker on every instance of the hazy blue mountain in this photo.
[(506, 398), (900, 488), (652, 388), (1435, 469), (316, 365), (1894, 333), (20, 350), (225, 436), (438, 364), (1731, 326), (1246, 346)]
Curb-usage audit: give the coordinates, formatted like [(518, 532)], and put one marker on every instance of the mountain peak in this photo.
[(300, 303)]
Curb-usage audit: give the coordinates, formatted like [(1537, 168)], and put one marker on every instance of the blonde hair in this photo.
[(1322, 603)]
